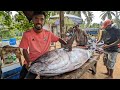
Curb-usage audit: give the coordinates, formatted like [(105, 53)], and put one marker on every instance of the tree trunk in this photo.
[(62, 24)]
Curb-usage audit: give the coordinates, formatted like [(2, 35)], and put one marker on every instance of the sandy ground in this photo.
[(100, 68)]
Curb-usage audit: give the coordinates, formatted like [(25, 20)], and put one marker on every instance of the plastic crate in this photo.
[(11, 72)]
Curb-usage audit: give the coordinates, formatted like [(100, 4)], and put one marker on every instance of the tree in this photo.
[(95, 25), (107, 14), (7, 24), (88, 14), (117, 20), (22, 22)]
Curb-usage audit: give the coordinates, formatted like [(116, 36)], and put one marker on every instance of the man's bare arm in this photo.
[(26, 55), (115, 43), (100, 34), (62, 41)]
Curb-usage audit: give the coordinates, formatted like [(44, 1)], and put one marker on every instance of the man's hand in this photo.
[(28, 65), (62, 41), (105, 46), (68, 47)]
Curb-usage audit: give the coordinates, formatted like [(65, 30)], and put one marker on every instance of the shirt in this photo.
[(37, 43), (110, 36)]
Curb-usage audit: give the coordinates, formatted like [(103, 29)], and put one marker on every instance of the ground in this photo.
[(102, 69)]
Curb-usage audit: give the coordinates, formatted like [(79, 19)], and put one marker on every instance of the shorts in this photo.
[(109, 59)]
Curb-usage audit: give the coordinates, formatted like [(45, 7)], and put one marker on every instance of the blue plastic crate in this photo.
[(14, 76), (11, 72)]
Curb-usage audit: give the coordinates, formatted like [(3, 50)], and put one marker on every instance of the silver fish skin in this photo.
[(59, 61)]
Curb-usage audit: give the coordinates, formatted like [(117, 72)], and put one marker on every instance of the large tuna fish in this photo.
[(59, 61)]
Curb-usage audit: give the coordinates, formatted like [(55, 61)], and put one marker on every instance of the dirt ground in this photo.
[(102, 69)]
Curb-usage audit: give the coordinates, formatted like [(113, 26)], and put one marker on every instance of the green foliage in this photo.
[(10, 24), (14, 26), (18, 37), (95, 25), (22, 23), (6, 22)]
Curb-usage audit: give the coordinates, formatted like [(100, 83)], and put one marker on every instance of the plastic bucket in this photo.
[(12, 41)]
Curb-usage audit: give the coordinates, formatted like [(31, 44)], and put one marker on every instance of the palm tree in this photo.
[(89, 17), (107, 14), (88, 14), (117, 20)]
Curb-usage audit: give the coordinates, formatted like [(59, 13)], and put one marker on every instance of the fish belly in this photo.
[(59, 61)]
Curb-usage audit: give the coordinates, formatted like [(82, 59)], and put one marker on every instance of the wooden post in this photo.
[(61, 24)]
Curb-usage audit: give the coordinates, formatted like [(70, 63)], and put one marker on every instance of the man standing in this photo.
[(37, 40), (111, 37), (81, 36)]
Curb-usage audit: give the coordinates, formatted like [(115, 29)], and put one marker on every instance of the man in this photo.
[(69, 33), (81, 36), (38, 41), (111, 37)]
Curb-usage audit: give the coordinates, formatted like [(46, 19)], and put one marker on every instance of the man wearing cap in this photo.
[(37, 40), (111, 37)]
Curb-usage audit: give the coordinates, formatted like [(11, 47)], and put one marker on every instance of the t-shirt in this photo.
[(37, 43), (110, 36)]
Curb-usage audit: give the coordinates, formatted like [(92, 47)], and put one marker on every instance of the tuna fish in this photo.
[(59, 61)]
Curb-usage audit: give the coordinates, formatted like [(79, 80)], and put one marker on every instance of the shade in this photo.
[(75, 19)]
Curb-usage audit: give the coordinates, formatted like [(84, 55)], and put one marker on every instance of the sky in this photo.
[(96, 18)]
